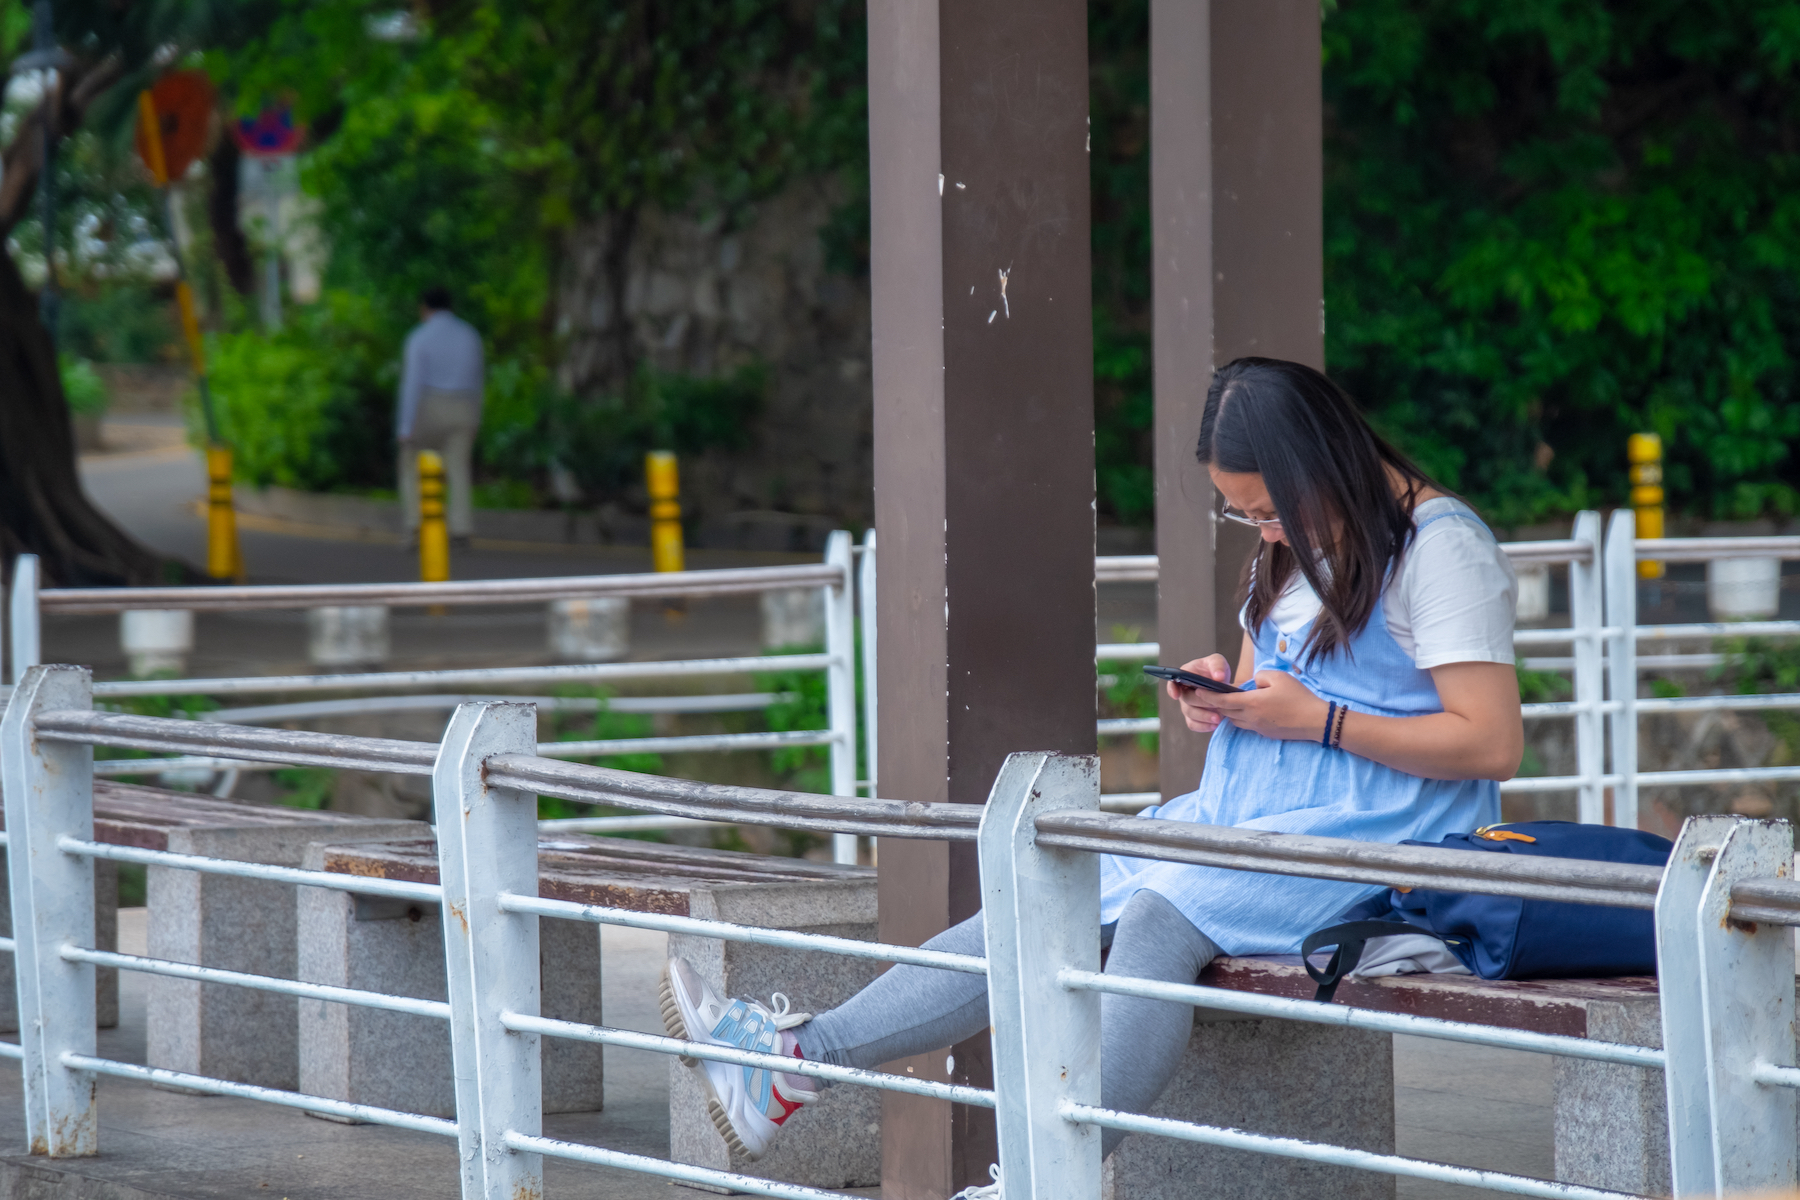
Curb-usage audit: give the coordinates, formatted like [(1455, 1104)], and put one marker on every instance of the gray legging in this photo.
[(910, 1010)]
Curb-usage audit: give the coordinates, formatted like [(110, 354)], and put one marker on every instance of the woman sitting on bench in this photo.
[(1378, 631)]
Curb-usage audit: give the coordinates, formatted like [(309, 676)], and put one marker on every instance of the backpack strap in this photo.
[(1349, 939)]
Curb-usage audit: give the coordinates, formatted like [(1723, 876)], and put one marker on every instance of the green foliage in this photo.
[(1542, 687), (1125, 691), (1119, 180), (806, 768), (311, 406), (305, 787), (603, 440), (1550, 225), (82, 386), (118, 323), (1759, 666)]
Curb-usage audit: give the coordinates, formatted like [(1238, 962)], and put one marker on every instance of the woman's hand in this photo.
[(1280, 707), (1200, 717)]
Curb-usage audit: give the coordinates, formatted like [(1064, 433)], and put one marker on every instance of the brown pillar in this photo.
[(1236, 204), (984, 468)]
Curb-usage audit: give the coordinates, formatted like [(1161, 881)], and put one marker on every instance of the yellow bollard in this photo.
[(1644, 452), (223, 560), (665, 510), (434, 537)]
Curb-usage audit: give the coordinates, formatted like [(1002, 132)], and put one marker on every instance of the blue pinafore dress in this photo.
[(1255, 782)]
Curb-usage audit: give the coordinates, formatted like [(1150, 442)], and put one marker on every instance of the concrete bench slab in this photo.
[(400, 1061)]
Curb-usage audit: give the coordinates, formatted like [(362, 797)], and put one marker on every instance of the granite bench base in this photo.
[(1335, 1085), (399, 1061), (237, 924)]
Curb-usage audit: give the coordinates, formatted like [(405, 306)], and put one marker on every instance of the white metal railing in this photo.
[(1722, 912), (29, 604), (1605, 664)]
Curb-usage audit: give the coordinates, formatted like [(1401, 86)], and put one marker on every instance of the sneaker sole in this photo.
[(671, 1015), (677, 1028)]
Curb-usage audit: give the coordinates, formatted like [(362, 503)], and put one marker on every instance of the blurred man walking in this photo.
[(440, 408)]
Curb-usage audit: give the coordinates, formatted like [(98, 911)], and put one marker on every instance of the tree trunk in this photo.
[(43, 510)]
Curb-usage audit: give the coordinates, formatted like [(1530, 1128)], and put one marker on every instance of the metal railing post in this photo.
[(1683, 1012), (1747, 995), (1040, 911), (1621, 662), (49, 794), (865, 595), (840, 681), (25, 650), (1586, 615), (487, 846)]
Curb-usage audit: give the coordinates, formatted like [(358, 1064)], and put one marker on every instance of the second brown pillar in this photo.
[(984, 460)]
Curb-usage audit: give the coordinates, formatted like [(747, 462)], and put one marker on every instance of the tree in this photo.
[(110, 51)]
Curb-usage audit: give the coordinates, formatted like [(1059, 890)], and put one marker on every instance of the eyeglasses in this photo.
[(1231, 514)]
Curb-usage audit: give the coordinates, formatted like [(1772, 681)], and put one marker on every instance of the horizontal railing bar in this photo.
[(1132, 651), (402, 889), (1698, 777), (1114, 568), (1547, 783), (1128, 802), (11, 1050), (1119, 726), (1126, 568), (916, 956), (1775, 1076), (1706, 549), (298, 746), (1717, 629), (251, 1091), (305, 709), (8, 946), (1578, 880), (688, 742), (115, 768), (1320, 1013), (608, 1036), (1776, 901), (262, 983), (464, 677), (1710, 775), (1341, 1156), (1560, 550), (726, 1181), (623, 824), (110, 767), (723, 582), (738, 805), (1558, 635)]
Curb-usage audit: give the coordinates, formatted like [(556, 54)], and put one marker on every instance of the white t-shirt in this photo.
[(1452, 598)]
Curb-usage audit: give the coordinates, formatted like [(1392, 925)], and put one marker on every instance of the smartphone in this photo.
[(1189, 679)]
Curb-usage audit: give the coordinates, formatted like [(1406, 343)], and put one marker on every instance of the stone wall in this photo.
[(703, 297)]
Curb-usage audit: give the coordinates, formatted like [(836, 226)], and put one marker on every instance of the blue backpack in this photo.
[(1502, 937)]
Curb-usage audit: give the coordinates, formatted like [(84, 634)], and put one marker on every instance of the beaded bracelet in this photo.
[(1330, 716), (1337, 738)]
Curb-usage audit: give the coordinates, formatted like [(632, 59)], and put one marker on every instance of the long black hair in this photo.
[(1331, 479)]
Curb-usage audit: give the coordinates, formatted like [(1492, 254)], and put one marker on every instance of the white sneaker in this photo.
[(986, 1191), (747, 1104)]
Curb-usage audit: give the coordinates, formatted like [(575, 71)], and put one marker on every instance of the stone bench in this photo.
[(395, 1060), (236, 924), (1329, 1084), (218, 921)]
